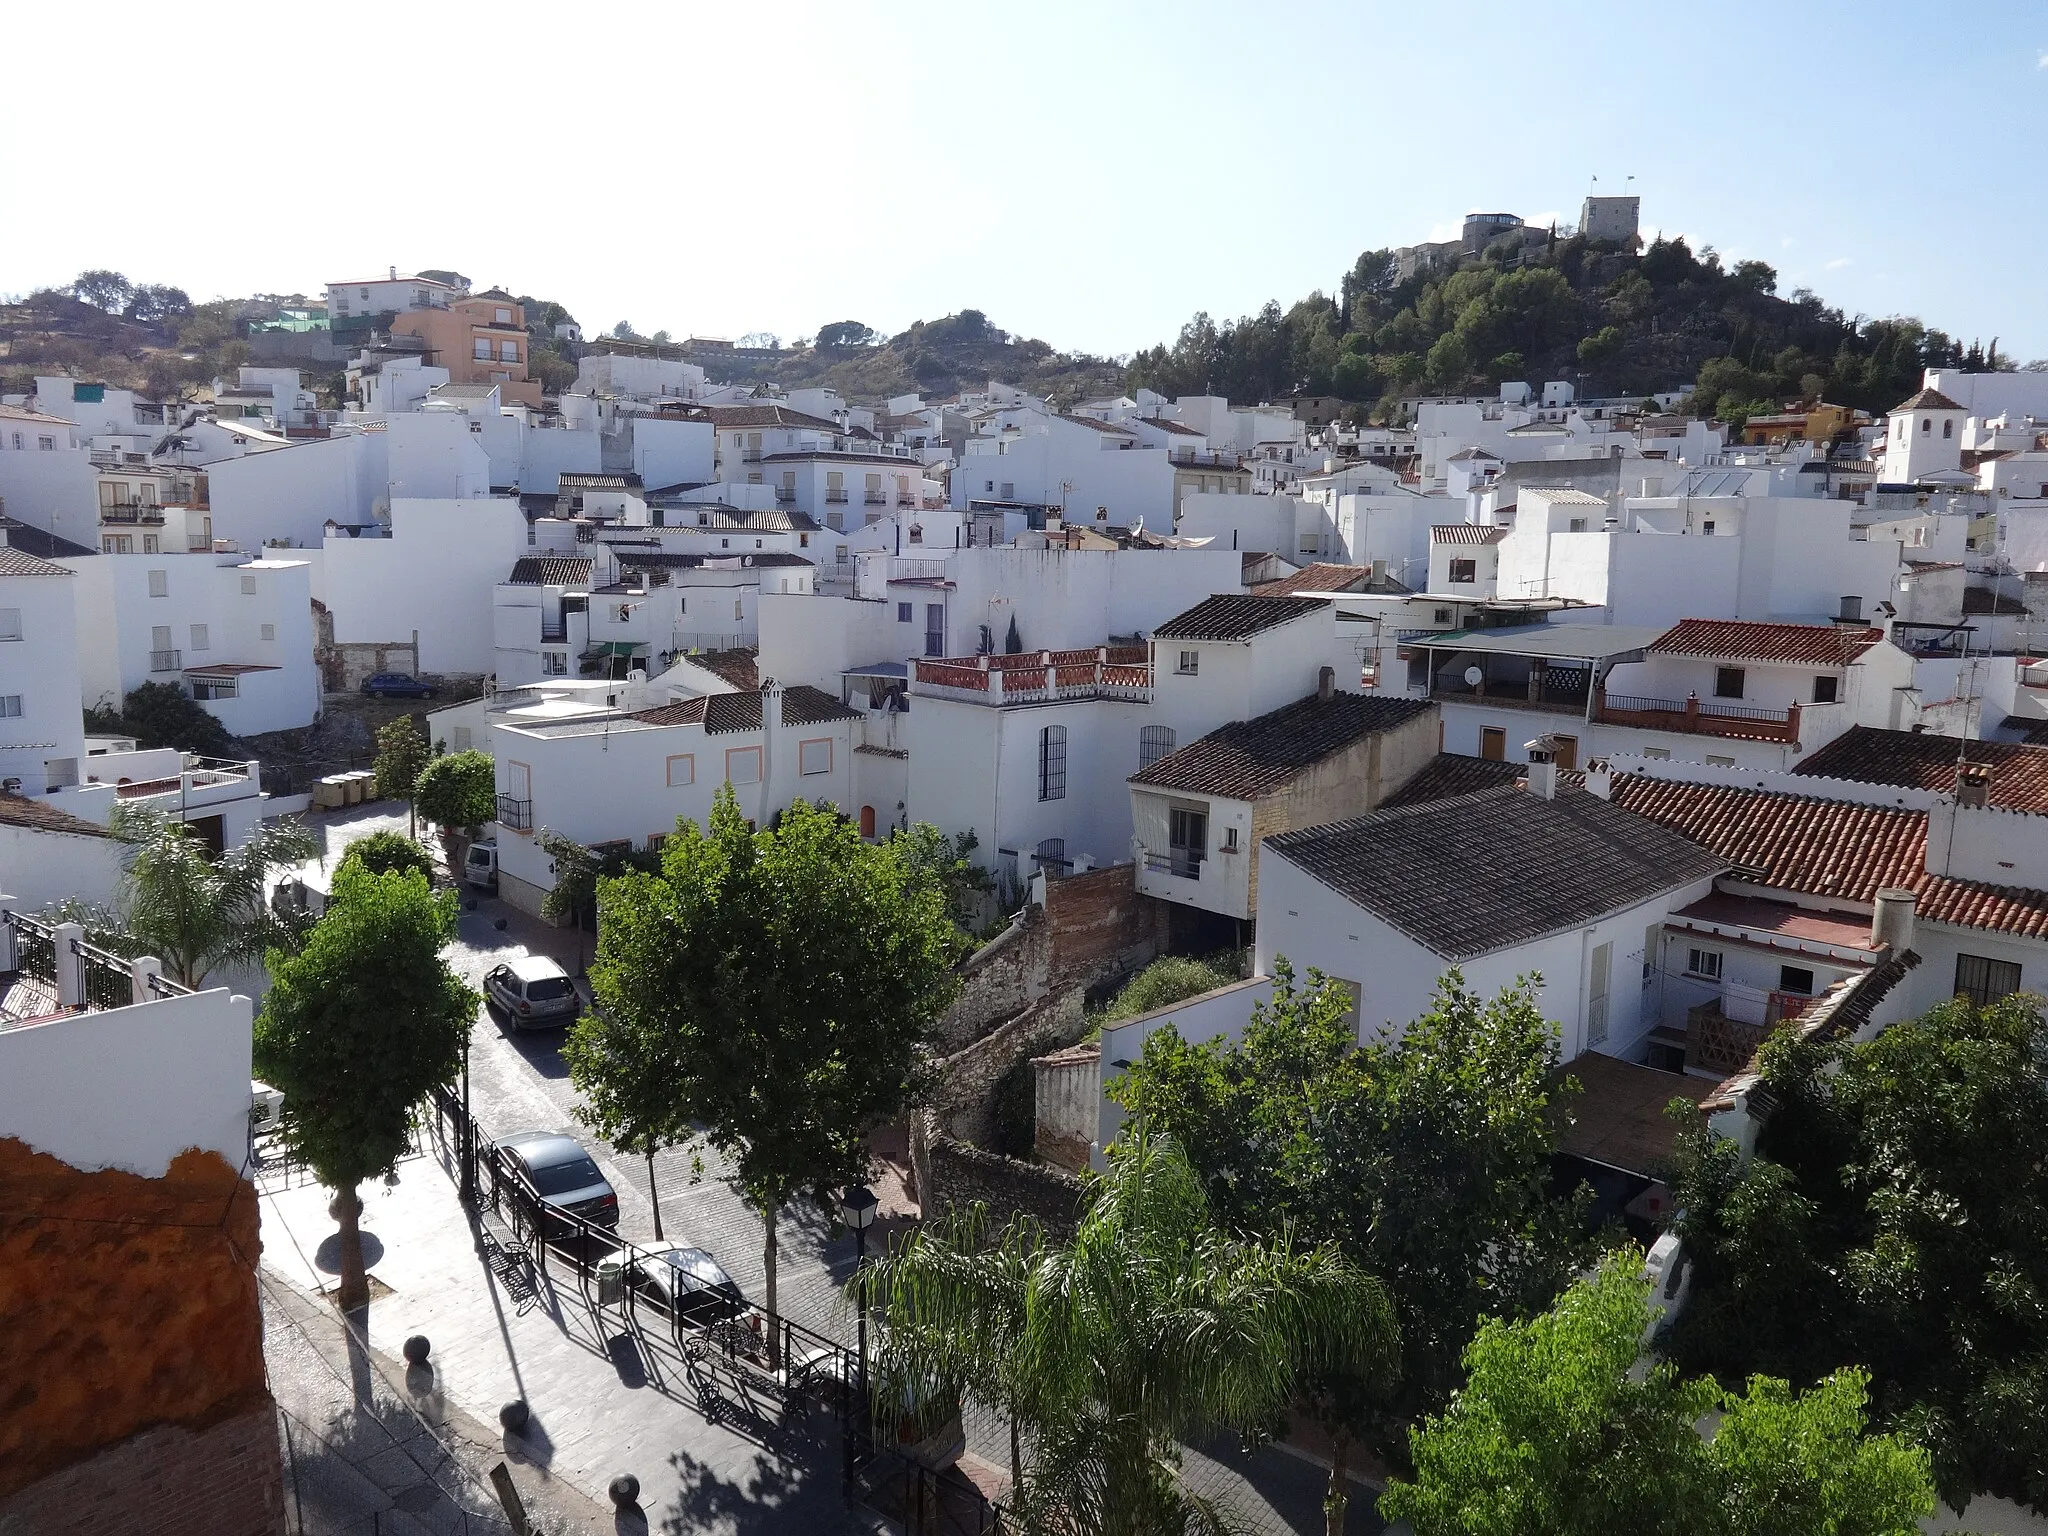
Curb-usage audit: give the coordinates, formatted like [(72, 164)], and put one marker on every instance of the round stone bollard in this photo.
[(625, 1490), (417, 1349), (513, 1416)]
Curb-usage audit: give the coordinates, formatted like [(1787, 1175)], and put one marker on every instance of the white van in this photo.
[(480, 866)]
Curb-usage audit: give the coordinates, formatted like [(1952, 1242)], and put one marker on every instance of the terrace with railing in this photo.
[(1038, 677), (49, 970), (1696, 717)]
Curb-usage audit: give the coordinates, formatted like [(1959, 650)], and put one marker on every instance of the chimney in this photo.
[(1600, 778), (1379, 571), (1542, 767), (394, 274), (1851, 611), (1973, 786), (1326, 684), (1891, 918)]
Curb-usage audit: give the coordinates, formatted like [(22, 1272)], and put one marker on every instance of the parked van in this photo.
[(480, 866)]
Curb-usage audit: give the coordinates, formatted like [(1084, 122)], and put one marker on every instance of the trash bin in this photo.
[(611, 1280)]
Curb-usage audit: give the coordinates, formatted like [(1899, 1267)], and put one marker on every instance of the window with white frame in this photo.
[(10, 706), (743, 765), (198, 637), (267, 632), (1703, 963), (10, 623), (248, 583), (159, 583), (508, 352), (814, 756), (502, 316), (482, 351), (682, 770), (1190, 663)]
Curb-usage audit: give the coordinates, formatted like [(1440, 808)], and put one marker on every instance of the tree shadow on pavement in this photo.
[(774, 1498)]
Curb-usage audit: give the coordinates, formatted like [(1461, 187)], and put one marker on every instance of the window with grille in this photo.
[(1984, 981), (1154, 742), (1052, 763), (1051, 853)]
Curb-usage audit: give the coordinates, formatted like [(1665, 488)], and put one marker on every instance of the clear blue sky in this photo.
[(1088, 173)]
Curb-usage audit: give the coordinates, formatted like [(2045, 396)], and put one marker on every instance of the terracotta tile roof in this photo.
[(737, 666), (40, 816), (762, 520), (1099, 426), (1467, 533), (723, 713), (1829, 848), (1250, 758), (550, 571), (19, 562), (1825, 645), (582, 480), (1166, 424), (2019, 774), (767, 416), (1450, 774), (1927, 400), (22, 413), (1322, 576), (1227, 617), (1485, 872)]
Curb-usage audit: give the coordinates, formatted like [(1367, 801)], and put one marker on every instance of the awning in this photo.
[(614, 648)]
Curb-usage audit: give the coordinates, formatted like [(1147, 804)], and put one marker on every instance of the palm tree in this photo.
[(1151, 1328), (196, 910)]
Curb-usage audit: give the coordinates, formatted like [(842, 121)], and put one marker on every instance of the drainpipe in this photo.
[(771, 720)]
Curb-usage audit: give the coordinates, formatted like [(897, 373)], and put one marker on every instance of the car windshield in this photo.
[(548, 988), (697, 1264), (560, 1178)]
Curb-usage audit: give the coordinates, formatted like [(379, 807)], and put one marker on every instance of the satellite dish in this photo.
[(1474, 676)]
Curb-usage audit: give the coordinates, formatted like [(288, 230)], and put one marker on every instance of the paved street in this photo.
[(588, 1386)]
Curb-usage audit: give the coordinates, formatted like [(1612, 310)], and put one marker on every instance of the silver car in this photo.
[(564, 1177), (533, 991)]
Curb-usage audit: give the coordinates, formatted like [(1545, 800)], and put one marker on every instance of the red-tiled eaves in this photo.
[(1911, 760), (1829, 848), (1466, 533), (1822, 645)]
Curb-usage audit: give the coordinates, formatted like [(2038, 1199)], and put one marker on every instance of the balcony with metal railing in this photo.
[(128, 513), (166, 661), (48, 970), (835, 495), (1693, 717), (515, 815)]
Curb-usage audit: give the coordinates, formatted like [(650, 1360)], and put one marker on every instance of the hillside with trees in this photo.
[(1614, 322), (933, 358)]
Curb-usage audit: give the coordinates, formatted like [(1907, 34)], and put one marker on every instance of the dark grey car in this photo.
[(565, 1178)]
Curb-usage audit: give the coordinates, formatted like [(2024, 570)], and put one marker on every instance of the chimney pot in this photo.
[(1892, 918), (1326, 684), (1973, 785), (1542, 767), (1851, 611)]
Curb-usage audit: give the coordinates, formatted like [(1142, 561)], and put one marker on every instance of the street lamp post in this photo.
[(468, 1133), (857, 1209)]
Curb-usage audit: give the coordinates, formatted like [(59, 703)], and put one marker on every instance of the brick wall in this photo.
[(222, 1480), (130, 1306)]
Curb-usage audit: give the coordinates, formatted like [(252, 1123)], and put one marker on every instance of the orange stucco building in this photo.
[(480, 339)]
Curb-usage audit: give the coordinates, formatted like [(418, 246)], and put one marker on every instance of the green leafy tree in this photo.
[(356, 1029), (403, 751), (457, 790), (1601, 348), (196, 910), (1155, 1326), (950, 863), (1558, 1430), (1172, 979), (1425, 1158), (1895, 1216), (164, 715), (383, 852), (103, 290), (772, 988), (847, 333)]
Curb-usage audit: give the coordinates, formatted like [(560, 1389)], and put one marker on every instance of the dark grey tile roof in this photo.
[(37, 541), (1483, 872), (1450, 774), (19, 562), (550, 570), (1232, 617), (1250, 758)]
